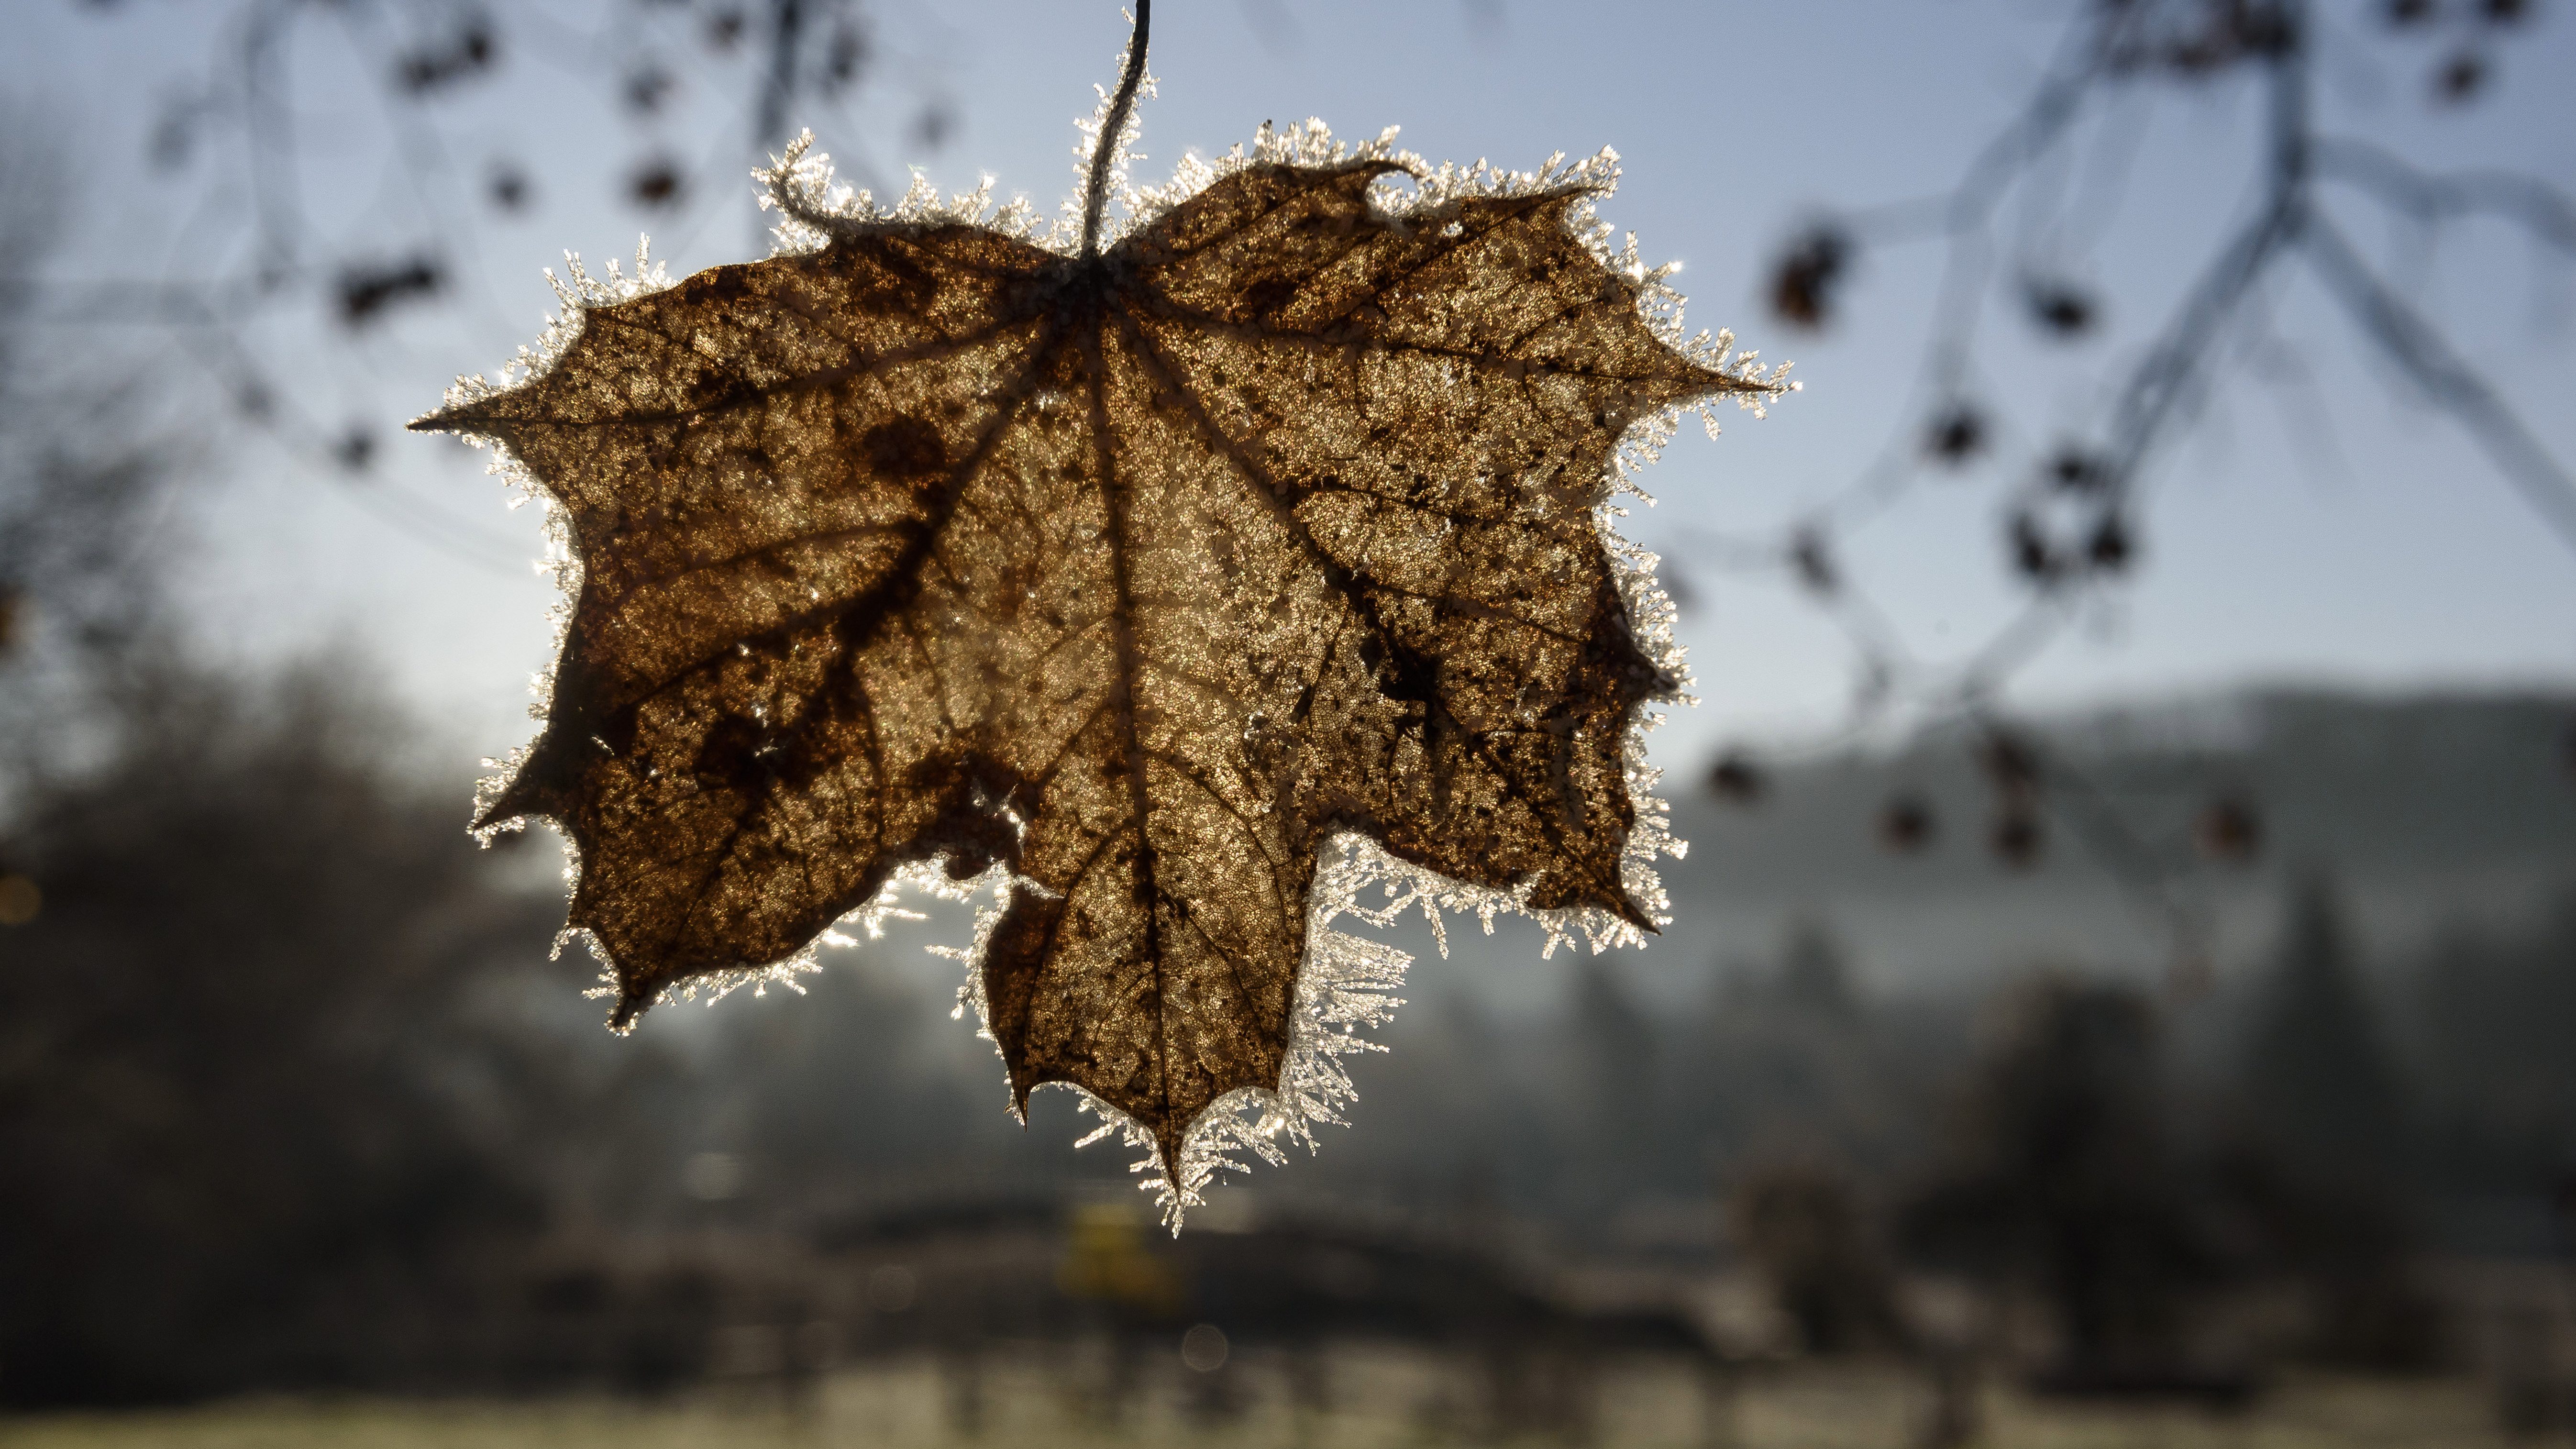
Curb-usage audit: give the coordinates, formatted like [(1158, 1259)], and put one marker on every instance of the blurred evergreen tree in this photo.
[(266, 1118), (2059, 1179), (2491, 1016), (2318, 1080), (2322, 1159)]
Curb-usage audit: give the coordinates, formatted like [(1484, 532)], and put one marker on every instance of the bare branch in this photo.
[(2413, 343), (2544, 211)]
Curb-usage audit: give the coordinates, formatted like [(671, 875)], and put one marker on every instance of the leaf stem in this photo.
[(1095, 196)]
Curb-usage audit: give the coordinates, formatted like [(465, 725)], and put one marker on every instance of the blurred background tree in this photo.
[(2060, 1180)]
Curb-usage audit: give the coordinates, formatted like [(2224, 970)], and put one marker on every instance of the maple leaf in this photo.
[(1126, 574)]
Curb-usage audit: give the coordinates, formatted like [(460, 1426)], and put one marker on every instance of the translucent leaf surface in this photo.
[(1137, 576)]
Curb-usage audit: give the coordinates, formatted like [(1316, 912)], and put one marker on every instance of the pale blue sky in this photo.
[(2396, 556)]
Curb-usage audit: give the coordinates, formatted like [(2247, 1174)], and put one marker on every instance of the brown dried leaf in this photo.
[(1139, 574)]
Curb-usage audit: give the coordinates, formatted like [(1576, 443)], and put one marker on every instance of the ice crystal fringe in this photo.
[(1347, 982)]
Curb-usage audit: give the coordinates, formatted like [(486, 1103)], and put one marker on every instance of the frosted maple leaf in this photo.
[(1172, 581)]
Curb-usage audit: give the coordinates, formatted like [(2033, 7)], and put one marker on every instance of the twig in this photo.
[(2539, 208), (2417, 346), (1104, 156)]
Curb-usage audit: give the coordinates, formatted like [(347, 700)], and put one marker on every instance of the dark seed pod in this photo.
[(2008, 762), (431, 67), (2460, 78), (656, 183), (367, 292), (1804, 279), (847, 56), (356, 450), (2110, 548), (932, 128), (1814, 562), (2016, 838), (647, 87), (2077, 471), (2061, 308), (1736, 779), (1956, 436), (2032, 557), (508, 187), (2228, 830), (1905, 824)]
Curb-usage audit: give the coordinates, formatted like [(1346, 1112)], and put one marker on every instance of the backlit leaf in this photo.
[(1128, 581)]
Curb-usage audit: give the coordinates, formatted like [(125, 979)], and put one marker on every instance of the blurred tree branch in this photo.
[(247, 124), (2071, 519)]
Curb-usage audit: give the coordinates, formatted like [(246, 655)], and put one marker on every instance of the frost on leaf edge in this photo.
[(1346, 982)]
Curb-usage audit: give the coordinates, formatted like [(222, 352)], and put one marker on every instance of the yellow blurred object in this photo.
[(20, 901), (1105, 1257)]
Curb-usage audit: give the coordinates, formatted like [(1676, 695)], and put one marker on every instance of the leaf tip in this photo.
[(630, 1005)]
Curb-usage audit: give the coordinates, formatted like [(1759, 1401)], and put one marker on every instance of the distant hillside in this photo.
[(2428, 810)]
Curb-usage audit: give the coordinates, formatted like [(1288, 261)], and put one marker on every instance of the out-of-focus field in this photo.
[(1377, 1400)]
